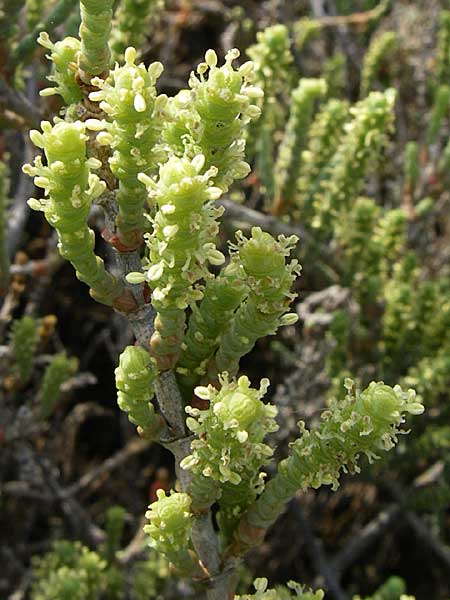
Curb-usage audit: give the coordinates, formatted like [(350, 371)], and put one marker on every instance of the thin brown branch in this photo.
[(324, 567), (364, 539), (15, 102), (430, 539), (134, 447), (359, 18), (74, 514)]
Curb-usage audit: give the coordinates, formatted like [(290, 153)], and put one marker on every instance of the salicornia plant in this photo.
[(158, 166)]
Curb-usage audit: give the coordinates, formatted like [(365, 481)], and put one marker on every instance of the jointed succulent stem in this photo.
[(71, 187), (95, 28), (364, 423)]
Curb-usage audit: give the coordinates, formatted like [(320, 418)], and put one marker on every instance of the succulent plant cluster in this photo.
[(162, 164)]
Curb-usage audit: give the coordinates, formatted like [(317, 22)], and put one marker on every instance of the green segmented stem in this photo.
[(96, 16), (134, 21), (443, 51), (264, 149), (324, 137), (304, 30), (58, 372), (180, 247), (381, 47), (234, 500), (335, 74), (166, 340), (24, 339), (370, 242), (134, 121), (203, 491), (209, 319), (288, 162), (70, 188), (408, 299), (439, 112), (364, 423), (269, 279), (355, 238), (444, 161), (393, 588), (114, 528), (272, 59), (412, 165), (365, 136), (135, 376)]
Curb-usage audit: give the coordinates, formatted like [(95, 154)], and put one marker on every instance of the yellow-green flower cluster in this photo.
[(229, 450), (293, 590), (64, 56), (210, 118), (150, 576), (180, 247), (364, 423), (272, 58), (71, 571), (430, 376), (170, 528), (134, 121), (229, 443)]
